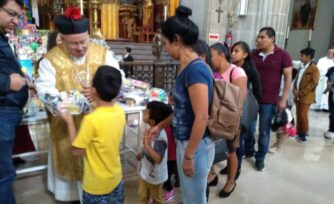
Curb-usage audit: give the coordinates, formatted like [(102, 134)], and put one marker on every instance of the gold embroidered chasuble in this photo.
[(68, 77)]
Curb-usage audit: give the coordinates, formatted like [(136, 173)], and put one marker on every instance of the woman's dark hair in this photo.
[(158, 111), (182, 26), (201, 47), (244, 46), (52, 40), (222, 49), (107, 81), (4, 2)]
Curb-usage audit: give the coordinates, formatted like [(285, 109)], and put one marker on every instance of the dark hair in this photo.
[(308, 52), (107, 81), (269, 31), (182, 26), (331, 46), (201, 47), (52, 40), (128, 49), (4, 2), (244, 46), (222, 49), (158, 111)]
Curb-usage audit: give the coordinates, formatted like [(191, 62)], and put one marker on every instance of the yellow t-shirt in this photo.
[(100, 135)]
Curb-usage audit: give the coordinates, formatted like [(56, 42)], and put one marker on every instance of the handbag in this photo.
[(250, 110), (220, 151)]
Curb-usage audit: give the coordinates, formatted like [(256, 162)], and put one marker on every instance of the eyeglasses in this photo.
[(12, 14), (83, 43)]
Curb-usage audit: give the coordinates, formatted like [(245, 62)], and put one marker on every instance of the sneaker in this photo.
[(248, 155), (301, 139), (259, 165), (169, 195), (329, 135)]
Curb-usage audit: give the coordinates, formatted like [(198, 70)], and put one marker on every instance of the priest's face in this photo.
[(9, 16), (76, 44)]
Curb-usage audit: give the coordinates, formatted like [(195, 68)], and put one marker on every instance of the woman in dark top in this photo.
[(192, 93), (241, 57)]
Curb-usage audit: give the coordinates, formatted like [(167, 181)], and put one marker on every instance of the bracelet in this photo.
[(188, 158)]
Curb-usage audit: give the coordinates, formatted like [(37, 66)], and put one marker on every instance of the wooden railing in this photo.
[(159, 74)]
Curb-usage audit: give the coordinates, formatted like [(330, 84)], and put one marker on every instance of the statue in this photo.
[(157, 45), (148, 13)]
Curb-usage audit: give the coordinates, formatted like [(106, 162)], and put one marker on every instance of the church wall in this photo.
[(199, 11), (322, 35), (260, 13)]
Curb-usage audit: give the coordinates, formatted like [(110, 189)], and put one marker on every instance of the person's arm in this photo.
[(157, 128), (254, 78), (157, 152), (46, 80), (241, 82), (287, 73), (72, 132), (197, 92)]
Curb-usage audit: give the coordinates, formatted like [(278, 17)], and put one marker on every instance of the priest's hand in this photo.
[(17, 82), (86, 91)]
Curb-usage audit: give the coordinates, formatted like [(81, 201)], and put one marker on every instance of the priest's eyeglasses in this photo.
[(82, 43), (12, 14)]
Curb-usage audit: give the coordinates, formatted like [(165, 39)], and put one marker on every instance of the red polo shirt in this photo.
[(271, 70)]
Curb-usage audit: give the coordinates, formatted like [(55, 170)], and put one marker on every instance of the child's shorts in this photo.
[(115, 197)]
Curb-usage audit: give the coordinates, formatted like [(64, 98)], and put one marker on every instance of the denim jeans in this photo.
[(10, 117), (194, 188), (115, 197), (249, 139), (331, 111), (266, 113)]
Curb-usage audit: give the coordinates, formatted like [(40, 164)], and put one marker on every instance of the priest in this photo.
[(69, 66)]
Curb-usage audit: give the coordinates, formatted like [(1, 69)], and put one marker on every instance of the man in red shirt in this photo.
[(272, 62)]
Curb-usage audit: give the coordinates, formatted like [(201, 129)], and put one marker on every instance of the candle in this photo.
[(81, 7), (310, 35), (287, 33)]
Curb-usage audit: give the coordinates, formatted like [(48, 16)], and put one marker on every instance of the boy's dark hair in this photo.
[(107, 81), (158, 111), (222, 49), (331, 46), (182, 26), (308, 52), (128, 49), (201, 47), (4, 2)]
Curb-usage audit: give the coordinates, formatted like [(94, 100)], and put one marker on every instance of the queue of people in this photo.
[(84, 159)]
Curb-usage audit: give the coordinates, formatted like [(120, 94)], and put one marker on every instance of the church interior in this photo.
[(300, 174)]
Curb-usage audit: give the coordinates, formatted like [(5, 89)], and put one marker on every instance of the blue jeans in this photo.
[(115, 197), (331, 111), (9, 118), (194, 188), (266, 112)]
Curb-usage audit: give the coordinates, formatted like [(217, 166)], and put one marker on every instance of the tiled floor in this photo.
[(301, 174)]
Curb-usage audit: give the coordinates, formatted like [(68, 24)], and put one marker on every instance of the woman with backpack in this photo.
[(220, 58), (241, 57), (192, 93)]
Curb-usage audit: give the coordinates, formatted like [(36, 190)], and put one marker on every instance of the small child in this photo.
[(153, 172), (99, 138), (283, 125), (169, 193)]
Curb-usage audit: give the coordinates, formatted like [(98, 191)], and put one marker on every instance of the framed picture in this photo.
[(304, 14)]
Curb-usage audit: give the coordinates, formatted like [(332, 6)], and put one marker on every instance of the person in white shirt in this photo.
[(324, 64)]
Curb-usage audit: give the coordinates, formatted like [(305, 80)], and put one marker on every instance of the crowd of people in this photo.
[(84, 160)]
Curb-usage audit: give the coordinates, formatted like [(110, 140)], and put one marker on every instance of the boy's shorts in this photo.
[(115, 197)]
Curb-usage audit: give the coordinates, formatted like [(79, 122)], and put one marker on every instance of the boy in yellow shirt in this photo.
[(99, 138)]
